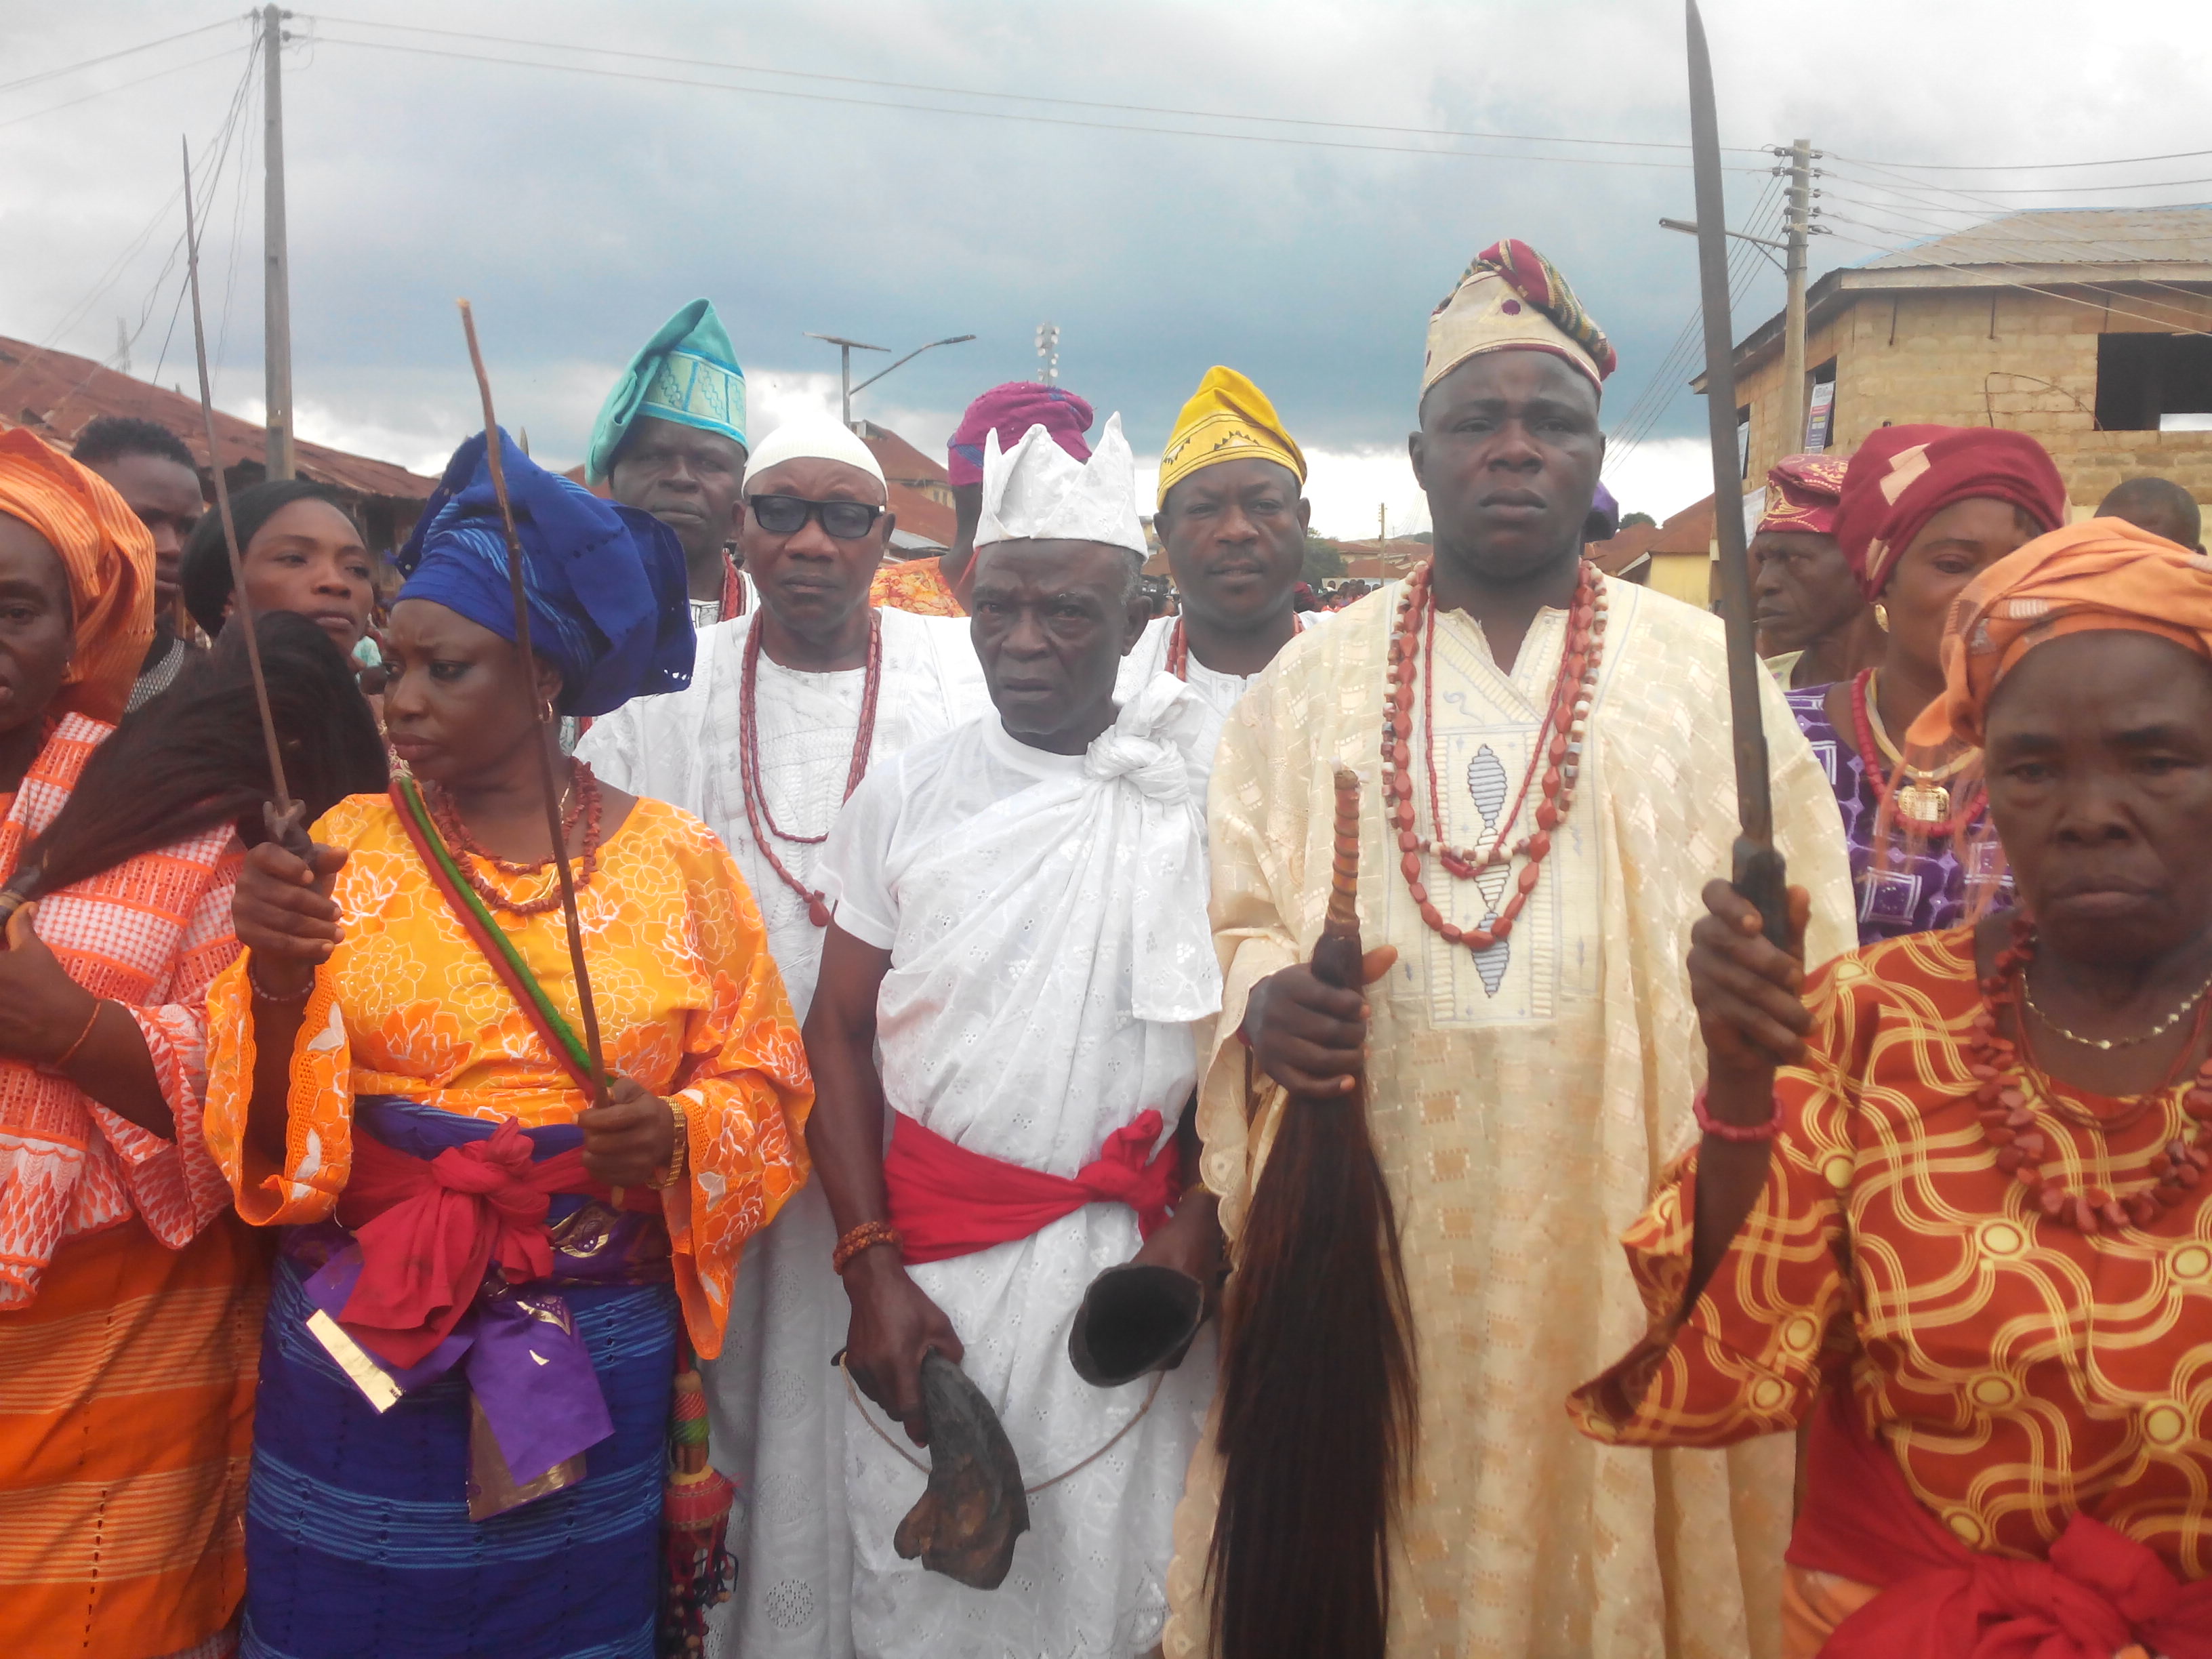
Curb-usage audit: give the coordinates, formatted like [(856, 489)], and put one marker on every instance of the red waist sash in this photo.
[(2099, 1593), (430, 1229), (946, 1201)]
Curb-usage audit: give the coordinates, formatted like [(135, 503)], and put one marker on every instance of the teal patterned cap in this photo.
[(687, 373)]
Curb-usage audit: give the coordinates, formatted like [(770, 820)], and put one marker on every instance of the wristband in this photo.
[(680, 1159), (61, 1062), (865, 1237), (1736, 1134)]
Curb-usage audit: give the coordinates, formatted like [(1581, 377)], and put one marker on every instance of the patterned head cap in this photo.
[(1512, 297)]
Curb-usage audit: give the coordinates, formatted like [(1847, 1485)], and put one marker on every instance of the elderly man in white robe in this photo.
[(788, 708), (1020, 935), (1548, 784)]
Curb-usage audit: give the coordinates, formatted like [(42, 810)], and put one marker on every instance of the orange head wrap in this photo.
[(2102, 573), (108, 557)]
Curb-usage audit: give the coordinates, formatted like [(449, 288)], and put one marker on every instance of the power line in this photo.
[(2052, 230), (120, 86), (1008, 115), (1012, 97), (2022, 167), (109, 57)]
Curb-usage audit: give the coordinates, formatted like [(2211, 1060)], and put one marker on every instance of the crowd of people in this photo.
[(946, 928)]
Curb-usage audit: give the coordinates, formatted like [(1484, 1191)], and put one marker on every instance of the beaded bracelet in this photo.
[(865, 1237), (263, 994), (680, 1159), (1738, 1134)]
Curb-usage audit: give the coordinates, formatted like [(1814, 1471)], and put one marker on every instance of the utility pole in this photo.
[(1797, 222), (1381, 522), (1047, 344), (276, 301)]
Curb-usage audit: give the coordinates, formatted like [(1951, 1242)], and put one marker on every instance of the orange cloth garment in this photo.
[(2019, 1371), (130, 1300), (690, 1004), (2100, 574), (126, 1419), (109, 557), (916, 585)]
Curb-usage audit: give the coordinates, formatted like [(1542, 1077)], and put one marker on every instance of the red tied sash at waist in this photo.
[(946, 1201), (430, 1229), (2100, 1593)]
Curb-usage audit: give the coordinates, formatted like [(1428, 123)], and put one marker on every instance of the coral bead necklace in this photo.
[(1555, 756), (2007, 1091)]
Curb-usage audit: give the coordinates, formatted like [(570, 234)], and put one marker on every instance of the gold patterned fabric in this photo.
[(1523, 1104), (2018, 1370)]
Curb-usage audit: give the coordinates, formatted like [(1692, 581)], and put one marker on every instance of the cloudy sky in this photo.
[(1285, 187)]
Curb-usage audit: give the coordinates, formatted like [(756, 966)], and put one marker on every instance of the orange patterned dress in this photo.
[(915, 585), (2019, 1372), (129, 1297), (685, 991)]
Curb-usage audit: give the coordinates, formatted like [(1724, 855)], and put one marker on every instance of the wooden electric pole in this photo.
[(276, 301), (1797, 221)]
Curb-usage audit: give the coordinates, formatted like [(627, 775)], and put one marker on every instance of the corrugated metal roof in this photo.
[(55, 393), (2068, 236)]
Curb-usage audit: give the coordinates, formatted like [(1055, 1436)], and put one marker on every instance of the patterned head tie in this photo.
[(1902, 475), (1512, 297)]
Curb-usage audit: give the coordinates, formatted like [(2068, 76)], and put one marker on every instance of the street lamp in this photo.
[(847, 347)]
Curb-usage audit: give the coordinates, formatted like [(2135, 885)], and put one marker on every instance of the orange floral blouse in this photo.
[(2018, 1370), (689, 1001)]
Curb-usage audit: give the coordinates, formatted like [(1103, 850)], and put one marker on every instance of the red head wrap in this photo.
[(1801, 492), (1010, 411), (1904, 476)]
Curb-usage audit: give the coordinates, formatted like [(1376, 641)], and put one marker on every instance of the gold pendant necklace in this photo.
[(1924, 797)]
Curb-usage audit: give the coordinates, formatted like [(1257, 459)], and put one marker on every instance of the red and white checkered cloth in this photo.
[(149, 934)]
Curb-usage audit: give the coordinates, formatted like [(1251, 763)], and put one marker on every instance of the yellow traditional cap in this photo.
[(1227, 419)]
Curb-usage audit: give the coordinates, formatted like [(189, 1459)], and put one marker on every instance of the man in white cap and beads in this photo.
[(1020, 935), (670, 440), (789, 706), (1556, 787)]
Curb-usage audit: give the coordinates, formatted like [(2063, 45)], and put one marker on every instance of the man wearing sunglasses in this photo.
[(789, 707)]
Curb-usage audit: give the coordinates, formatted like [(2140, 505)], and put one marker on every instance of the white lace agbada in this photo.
[(1046, 918), (777, 1410)]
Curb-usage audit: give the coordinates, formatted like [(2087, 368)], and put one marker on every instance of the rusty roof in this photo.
[(901, 461), (56, 393)]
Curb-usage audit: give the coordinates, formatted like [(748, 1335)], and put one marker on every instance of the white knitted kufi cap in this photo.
[(1036, 491), (812, 437)]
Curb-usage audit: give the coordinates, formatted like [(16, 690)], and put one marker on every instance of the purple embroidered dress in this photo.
[(1914, 892)]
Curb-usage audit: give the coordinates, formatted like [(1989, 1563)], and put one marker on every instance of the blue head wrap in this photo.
[(687, 373), (605, 583)]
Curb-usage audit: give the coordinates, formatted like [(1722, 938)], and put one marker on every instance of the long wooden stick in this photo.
[(286, 814), (541, 711), (1759, 874)]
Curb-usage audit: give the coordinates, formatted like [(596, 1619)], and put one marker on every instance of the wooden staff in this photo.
[(1318, 1386), (1758, 872), (542, 711), (285, 817)]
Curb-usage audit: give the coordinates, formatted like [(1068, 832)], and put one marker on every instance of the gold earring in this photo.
[(1881, 617), (545, 708)]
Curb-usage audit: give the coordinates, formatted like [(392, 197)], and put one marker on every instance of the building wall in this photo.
[(1684, 576), (1984, 356)]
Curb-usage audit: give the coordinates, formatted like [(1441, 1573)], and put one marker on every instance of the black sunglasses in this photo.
[(786, 515)]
